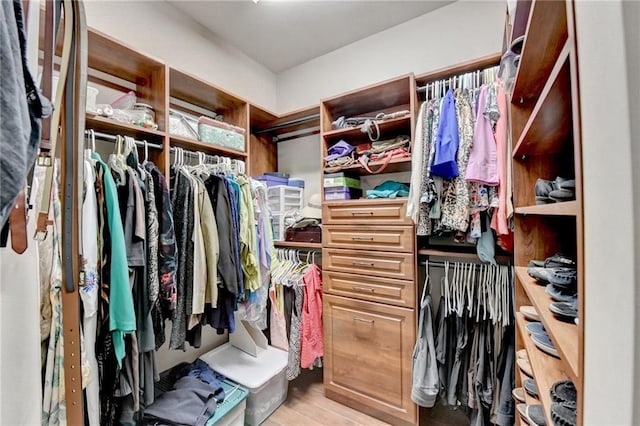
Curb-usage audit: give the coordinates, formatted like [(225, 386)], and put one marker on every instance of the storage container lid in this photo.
[(249, 371)]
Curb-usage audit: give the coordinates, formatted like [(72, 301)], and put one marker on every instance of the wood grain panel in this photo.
[(546, 34), (382, 264), (366, 212), (264, 155), (379, 378), (369, 237), (538, 237), (375, 289)]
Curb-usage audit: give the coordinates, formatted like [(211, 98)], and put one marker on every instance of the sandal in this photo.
[(564, 311), (564, 393), (529, 313), (535, 327), (525, 367), (544, 343), (518, 394), (531, 388), (555, 261), (532, 414), (560, 294)]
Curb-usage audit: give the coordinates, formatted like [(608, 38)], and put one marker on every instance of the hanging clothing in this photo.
[(22, 106), (249, 259), (293, 365), (427, 188), (444, 163), (89, 286), (183, 222), (417, 166), (121, 312), (483, 160), (499, 219), (199, 258), (456, 199), (312, 334)]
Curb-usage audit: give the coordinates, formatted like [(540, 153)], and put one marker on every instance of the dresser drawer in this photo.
[(368, 353), (380, 264), (366, 212), (375, 289), (369, 237)]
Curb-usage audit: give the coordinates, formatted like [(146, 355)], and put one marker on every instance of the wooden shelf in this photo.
[(520, 18), (296, 244), (545, 37), (564, 335), (464, 67), (386, 126), (387, 96), (549, 125), (113, 127), (207, 148), (395, 165), (547, 370), (262, 119), (565, 208), (460, 255), (196, 91)]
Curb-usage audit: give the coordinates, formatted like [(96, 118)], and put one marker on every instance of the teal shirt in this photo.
[(122, 317)]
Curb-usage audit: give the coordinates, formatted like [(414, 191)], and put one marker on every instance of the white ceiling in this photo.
[(282, 34)]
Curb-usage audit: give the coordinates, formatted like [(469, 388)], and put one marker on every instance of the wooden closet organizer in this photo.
[(545, 120), (115, 65)]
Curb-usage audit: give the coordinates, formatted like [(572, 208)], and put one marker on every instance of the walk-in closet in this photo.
[(307, 213)]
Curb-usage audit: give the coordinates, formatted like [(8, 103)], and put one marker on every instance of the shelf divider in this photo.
[(564, 335), (207, 148), (297, 244), (549, 125)]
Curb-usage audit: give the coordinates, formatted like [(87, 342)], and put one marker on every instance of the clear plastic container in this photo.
[(143, 115)]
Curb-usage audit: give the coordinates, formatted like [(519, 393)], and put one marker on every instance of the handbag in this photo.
[(425, 381)]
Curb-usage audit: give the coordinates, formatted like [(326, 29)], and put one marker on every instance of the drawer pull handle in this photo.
[(367, 264), (368, 321), (362, 238), (361, 213), (364, 289)]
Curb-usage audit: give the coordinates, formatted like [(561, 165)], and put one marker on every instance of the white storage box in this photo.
[(263, 376), (277, 221), (285, 198)]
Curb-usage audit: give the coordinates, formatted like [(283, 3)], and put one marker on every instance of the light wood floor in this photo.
[(306, 405)]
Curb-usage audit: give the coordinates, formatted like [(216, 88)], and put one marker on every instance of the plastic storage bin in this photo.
[(279, 228), (342, 193), (263, 376), (231, 411), (221, 134), (270, 180), (334, 182), (298, 183), (285, 198)]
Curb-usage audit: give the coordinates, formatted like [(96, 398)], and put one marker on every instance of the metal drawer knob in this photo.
[(368, 321)]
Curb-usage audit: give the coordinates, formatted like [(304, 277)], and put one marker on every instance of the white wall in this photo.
[(456, 33), (608, 213), (162, 31), (472, 30)]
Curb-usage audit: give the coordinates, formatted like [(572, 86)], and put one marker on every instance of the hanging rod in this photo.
[(278, 139), (448, 80), (112, 138), (306, 119)]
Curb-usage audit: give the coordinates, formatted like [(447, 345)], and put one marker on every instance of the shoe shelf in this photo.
[(392, 125), (564, 335), (565, 208), (549, 125), (545, 35), (547, 370)]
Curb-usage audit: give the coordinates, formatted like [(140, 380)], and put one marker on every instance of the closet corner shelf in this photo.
[(195, 145), (106, 125), (395, 165), (547, 370), (296, 244), (545, 36), (563, 335), (549, 125), (391, 125), (566, 208)]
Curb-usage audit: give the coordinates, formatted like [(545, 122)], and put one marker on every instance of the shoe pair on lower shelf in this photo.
[(563, 407), (539, 335), (557, 269), (552, 191)]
